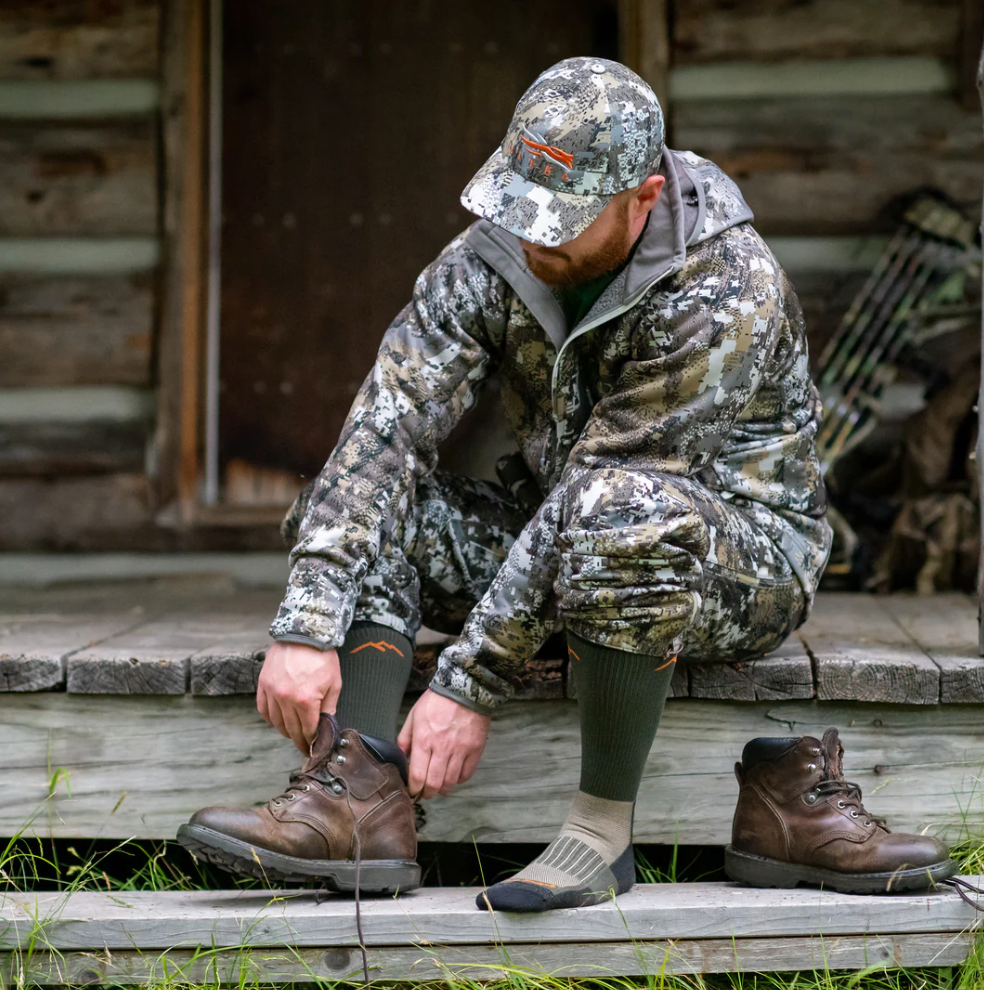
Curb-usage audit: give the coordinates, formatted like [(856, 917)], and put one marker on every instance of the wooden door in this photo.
[(350, 130)]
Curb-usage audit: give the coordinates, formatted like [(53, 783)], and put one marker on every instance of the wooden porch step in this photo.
[(178, 637), (133, 938), (141, 713)]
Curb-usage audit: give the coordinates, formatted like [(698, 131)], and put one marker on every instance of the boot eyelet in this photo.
[(854, 814), (811, 798), (276, 804), (811, 766), (343, 743), (306, 787), (840, 804), (340, 758), (866, 824), (815, 751), (337, 788), (291, 796)]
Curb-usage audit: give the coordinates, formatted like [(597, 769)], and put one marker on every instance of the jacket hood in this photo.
[(698, 202)]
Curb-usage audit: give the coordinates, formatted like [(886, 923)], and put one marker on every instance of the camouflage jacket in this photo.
[(693, 362)]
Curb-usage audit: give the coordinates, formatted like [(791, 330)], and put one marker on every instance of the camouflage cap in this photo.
[(586, 129)]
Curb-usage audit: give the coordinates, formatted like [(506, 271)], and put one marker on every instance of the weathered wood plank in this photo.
[(431, 963), (447, 916), (54, 448), (97, 180), (776, 30), (78, 39), (156, 657), (832, 165), (46, 514), (863, 654), (75, 331), (945, 626), (785, 674), (34, 644), (181, 753)]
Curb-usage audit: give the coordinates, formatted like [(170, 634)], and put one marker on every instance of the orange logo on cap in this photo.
[(538, 150)]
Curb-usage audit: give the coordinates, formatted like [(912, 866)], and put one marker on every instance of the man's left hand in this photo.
[(444, 741)]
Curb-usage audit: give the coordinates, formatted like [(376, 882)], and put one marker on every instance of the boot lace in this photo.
[(850, 797)]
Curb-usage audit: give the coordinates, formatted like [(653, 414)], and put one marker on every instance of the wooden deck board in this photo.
[(862, 654), (899, 649), (448, 916), (156, 657), (157, 759), (234, 967), (945, 627)]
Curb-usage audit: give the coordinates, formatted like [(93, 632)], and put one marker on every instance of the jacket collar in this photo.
[(679, 219)]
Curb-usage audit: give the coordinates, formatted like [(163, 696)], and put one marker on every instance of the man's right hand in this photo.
[(298, 683)]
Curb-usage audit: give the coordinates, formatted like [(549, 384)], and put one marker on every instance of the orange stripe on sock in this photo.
[(668, 662), (572, 653), (381, 646), (539, 883)]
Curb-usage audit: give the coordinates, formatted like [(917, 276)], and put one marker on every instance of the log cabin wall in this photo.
[(823, 110), (826, 111), (79, 249)]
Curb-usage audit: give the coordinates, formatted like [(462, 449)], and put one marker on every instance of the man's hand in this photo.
[(298, 683), (444, 741)]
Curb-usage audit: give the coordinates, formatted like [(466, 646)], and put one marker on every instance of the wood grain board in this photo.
[(78, 39), (427, 963), (71, 179), (834, 165), (448, 916), (899, 649), (708, 31), (62, 330), (142, 765)]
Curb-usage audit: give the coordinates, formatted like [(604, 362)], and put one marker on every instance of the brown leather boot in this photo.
[(799, 821), (345, 820)]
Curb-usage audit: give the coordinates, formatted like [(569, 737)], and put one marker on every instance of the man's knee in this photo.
[(632, 543)]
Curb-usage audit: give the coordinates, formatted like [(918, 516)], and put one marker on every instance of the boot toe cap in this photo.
[(238, 823)]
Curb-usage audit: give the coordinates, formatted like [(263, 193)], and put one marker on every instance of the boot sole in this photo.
[(760, 871), (376, 876)]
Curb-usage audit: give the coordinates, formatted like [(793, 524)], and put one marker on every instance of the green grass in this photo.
[(25, 861)]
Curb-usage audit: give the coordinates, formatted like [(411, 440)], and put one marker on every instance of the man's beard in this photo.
[(568, 273)]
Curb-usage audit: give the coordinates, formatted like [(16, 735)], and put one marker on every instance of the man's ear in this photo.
[(648, 192)]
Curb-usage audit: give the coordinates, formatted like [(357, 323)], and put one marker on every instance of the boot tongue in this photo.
[(324, 741), (834, 753)]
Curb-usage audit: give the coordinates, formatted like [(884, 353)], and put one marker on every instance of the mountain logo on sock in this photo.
[(381, 646)]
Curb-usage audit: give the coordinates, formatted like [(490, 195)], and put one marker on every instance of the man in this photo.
[(653, 368)]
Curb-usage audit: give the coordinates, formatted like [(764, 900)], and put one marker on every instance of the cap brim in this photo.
[(530, 211)]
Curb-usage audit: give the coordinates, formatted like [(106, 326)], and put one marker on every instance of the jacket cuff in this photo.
[(463, 701), (481, 691), (314, 608), (301, 640)]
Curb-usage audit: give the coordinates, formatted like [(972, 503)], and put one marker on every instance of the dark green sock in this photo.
[(620, 699), (375, 663)]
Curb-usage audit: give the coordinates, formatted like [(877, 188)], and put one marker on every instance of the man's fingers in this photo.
[(308, 717), (435, 774), (452, 774), (329, 703), (276, 718), (469, 766), (262, 706), (419, 764), (294, 730), (405, 739)]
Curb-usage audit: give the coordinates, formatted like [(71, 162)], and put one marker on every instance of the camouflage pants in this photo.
[(630, 543)]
